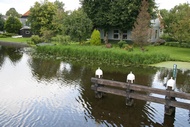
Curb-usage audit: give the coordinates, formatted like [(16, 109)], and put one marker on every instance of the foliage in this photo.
[(12, 25), (41, 17), (47, 35), (167, 37), (102, 55), (95, 37), (177, 44), (58, 18), (141, 30), (61, 39), (77, 25), (177, 22), (36, 39), (106, 14), (13, 12), (5, 35), (98, 12), (2, 22), (121, 43)]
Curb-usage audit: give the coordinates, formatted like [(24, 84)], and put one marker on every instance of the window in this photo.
[(116, 34), (156, 32), (125, 35), (27, 32)]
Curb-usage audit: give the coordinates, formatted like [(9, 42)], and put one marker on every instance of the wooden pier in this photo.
[(135, 91)]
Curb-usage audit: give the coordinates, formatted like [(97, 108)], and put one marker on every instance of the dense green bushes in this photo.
[(101, 55), (36, 39), (61, 39), (4, 35)]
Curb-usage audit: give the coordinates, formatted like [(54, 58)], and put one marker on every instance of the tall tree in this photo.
[(2, 22), (12, 25), (77, 25), (177, 23), (98, 11), (141, 30), (107, 14), (13, 12), (41, 17), (58, 18)]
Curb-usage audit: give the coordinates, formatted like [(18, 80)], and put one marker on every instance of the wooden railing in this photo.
[(134, 91)]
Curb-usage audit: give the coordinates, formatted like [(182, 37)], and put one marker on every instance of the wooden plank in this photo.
[(141, 88), (143, 97)]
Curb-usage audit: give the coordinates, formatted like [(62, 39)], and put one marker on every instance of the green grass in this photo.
[(154, 54), (175, 53), (101, 54), (10, 39)]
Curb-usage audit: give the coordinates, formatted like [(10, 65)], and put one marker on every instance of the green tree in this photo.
[(58, 18), (41, 17), (2, 22), (177, 23), (98, 11), (141, 30), (12, 25), (107, 14), (95, 38), (13, 12), (77, 25)]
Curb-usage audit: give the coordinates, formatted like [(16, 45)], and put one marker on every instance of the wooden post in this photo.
[(169, 110), (97, 94), (129, 100)]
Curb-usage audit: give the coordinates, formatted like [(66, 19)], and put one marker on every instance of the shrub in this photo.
[(36, 39), (121, 43), (128, 47), (185, 45), (172, 44), (167, 37), (47, 35), (62, 39), (4, 35), (95, 38)]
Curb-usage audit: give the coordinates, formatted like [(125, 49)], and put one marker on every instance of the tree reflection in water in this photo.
[(110, 110), (14, 54)]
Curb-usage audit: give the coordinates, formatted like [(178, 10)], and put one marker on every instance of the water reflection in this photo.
[(58, 93), (14, 54)]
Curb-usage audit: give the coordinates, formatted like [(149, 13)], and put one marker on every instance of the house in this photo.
[(25, 31), (114, 34), (24, 19)]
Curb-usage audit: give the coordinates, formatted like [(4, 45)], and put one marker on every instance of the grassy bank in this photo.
[(100, 54), (115, 55), (175, 53)]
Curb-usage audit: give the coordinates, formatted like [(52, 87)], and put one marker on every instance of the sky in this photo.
[(23, 6)]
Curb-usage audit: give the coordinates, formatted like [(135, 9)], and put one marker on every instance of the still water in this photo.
[(53, 93)]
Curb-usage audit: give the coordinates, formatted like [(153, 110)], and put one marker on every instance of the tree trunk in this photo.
[(106, 38), (121, 36)]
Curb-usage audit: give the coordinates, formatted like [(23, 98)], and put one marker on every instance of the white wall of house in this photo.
[(156, 30), (114, 33)]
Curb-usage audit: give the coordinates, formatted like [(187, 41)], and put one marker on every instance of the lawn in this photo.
[(175, 53)]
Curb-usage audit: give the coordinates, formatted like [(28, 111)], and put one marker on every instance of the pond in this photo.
[(51, 93)]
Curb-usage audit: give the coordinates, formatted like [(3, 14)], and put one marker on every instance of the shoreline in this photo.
[(14, 44)]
